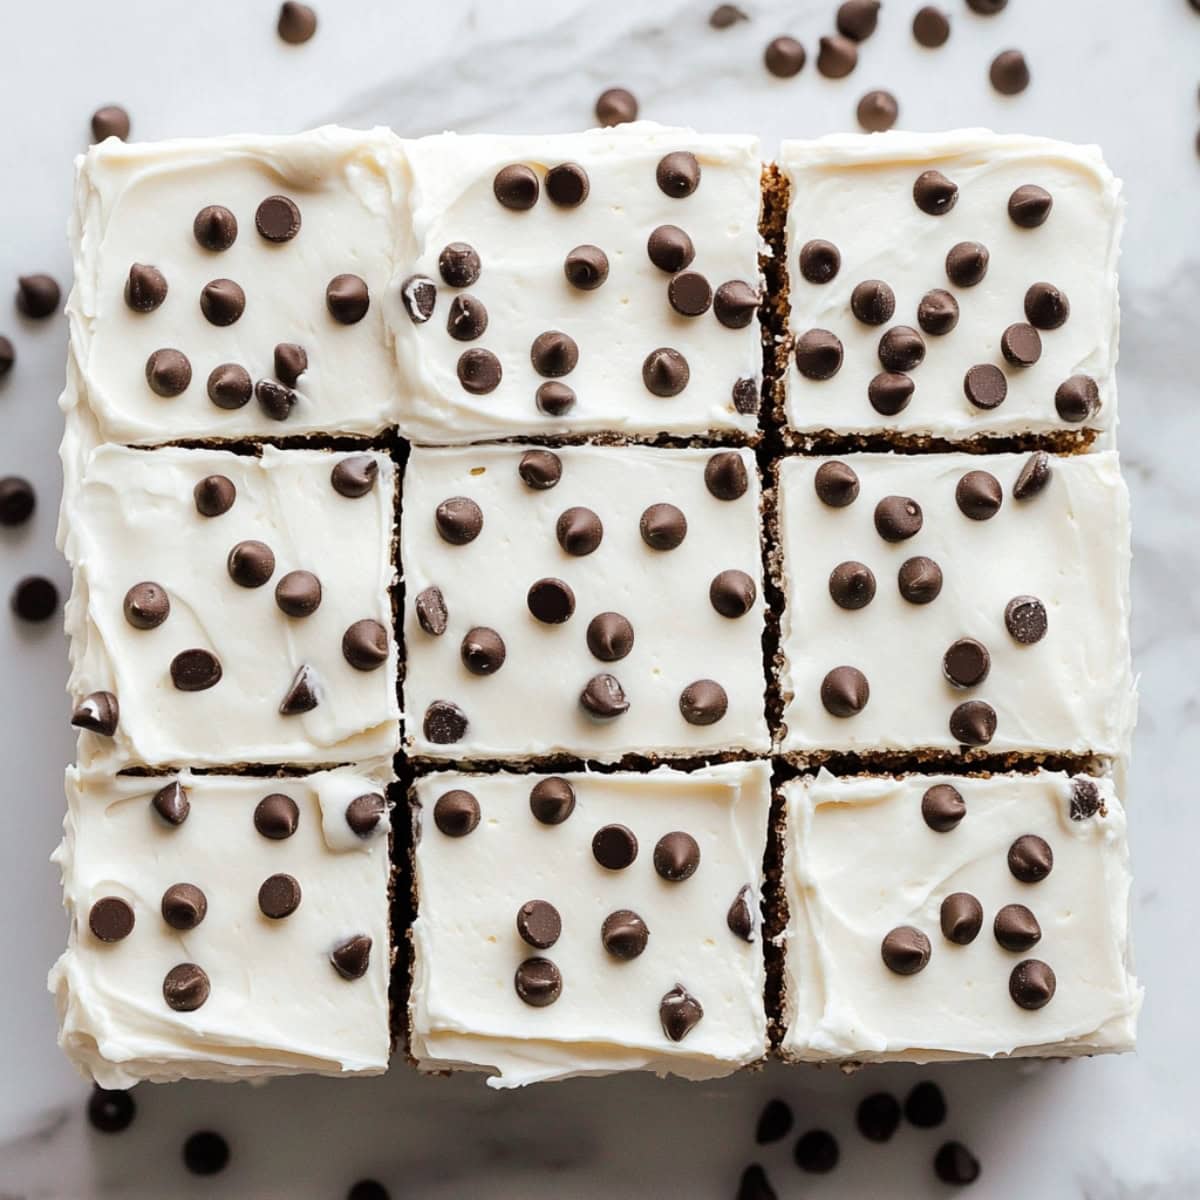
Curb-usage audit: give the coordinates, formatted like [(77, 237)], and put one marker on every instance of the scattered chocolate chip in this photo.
[(665, 372), (516, 187), (364, 813), (229, 386), (185, 988), (168, 372), (878, 1116), (734, 305), (931, 27), (205, 1153), (35, 598), (111, 919), (297, 23), (539, 924), (277, 219), (845, 692), (171, 803), (579, 531), (816, 1152), (819, 261), (889, 392), (624, 934), (905, 950), (554, 354), (97, 712), (8, 356), (925, 1106), (459, 264), (1029, 206), (456, 813), (1032, 984), (538, 982), (1025, 619), (482, 651), (1016, 928), (689, 294), (934, 194), (1030, 858), (551, 601), (856, 19), (567, 185), (836, 484), (459, 520), (418, 293), (145, 288), (302, 695), (740, 917), (676, 856), (1009, 72), (110, 121), (898, 518), (937, 314), (17, 501), (873, 302), (222, 301), (274, 399), (365, 645), (616, 106), (836, 57), (354, 476), (552, 800), (183, 906), (604, 697), (986, 8), (276, 816), (967, 263), (670, 249), (680, 1012), (540, 469), (1085, 799), (1046, 307), (961, 918), (818, 354), (251, 564), (1034, 476), (979, 495), (432, 615), (985, 386), (725, 15), (703, 702), (725, 475), (754, 1185), (38, 296), (1021, 345), (609, 637), (347, 298), (784, 57), (298, 593), (1077, 398), (973, 723), (902, 348), (279, 896), (586, 267), (195, 670), (110, 1111), (678, 174), (919, 580), (146, 605), (732, 593), (368, 1189), (942, 807), (215, 228), (614, 847), (663, 527), (954, 1163), (852, 585), (555, 399), (878, 111), (479, 372), (352, 958)]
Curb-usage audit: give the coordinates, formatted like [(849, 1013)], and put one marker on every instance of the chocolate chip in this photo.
[(905, 950), (298, 593), (902, 348), (277, 219), (679, 1012), (456, 813), (1030, 858), (516, 187), (609, 637), (961, 918), (215, 228), (978, 495), (301, 696), (732, 593), (586, 267), (168, 372), (567, 185), (1033, 478), (818, 354), (689, 294), (898, 518), (1016, 928), (35, 598), (1029, 205), (604, 697), (171, 803), (352, 958), (931, 27), (365, 645), (665, 372), (482, 651), (110, 121), (251, 564), (734, 306), (479, 372), (1021, 345), (38, 296), (967, 263), (555, 399), (943, 807), (985, 386), (836, 57), (418, 294), (873, 302), (8, 356), (852, 585), (670, 249), (836, 484), (538, 982), (1032, 984), (856, 19), (540, 469), (229, 386), (934, 194), (816, 1152), (195, 670), (145, 288), (937, 314), (146, 605), (276, 816), (616, 106), (579, 531), (925, 1106), (703, 702), (364, 813), (552, 800), (954, 1163), (97, 712), (889, 392), (784, 57), (554, 354), (1085, 799), (551, 600), (973, 723), (111, 919), (1025, 619), (1077, 398), (347, 298), (624, 934), (279, 896), (987, 8), (205, 1153), (676, 856), (459, 520), (1009, 72), (222, 302), (878, 1116), (17, 501), (459, 264), (819, 261), (725, 15), (878, 111), (354, 476), (183, 906), (614, 847), (663, 527), (432, 614), (1046, 307), (297, 23), (110, 1111), (845, 692), (725, 475), (678, 174), (539, 924), (274, 399), (185, 989), (740, 917), (368, 1189)]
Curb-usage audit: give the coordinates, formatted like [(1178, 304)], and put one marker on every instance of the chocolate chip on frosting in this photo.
[(364, 813), (1085, 799), (298, 593), (97, 712), (703, 702), (819, 261), (603, 697), (852, 585), (878, 111), (973, 723), (624, 934), (483, 651), (873, 302), (215, 228), (726, 15), (665, 372), (609, 637), (734, 305), (347, 298), (555, 399), (931, 27), (679, 1012), (732, 593), (579, 531), (251, 564), (147, 605), (222, 301), (905, 950), (365, 645), (459, 264), (538, 982), (937, 313), (784, 57), (432, 615), (466, 319), (540, 469), (567, 185), (1077, 398), (145, 288), (1046, 307), (195, 670), (1030, 858), (274, 399), (678, 174), (902, 348), (183, 906), (1032, 984), (676, 856), (614, 847), (554, 354), (845, 692), (111, 919), (111, 120), (551, 600), (943, 807), (670, 248), (352, 958), (110, 1110), (586, 267), (418, 294), (516, 187), (229, 386), (1029, 205), (276, 816), (354, 476), (214, 495), (836, 484), (279, 896), (837, 56), (740, 917), (616, 106), (168, 372), (1016, 928), (539, 924), (934, 194), (856, 19), (889, 392), (171, 803), (185, 988), (456, 813), (954, 1163), (725, 475), (689, 294), (961, 918), (1025, 619), (552, 800), (277, 219), (458, 520), (967, 263), (979, 495), (1021, 345), (663, 527), (297, 23), (302, 694), (816, 1152), (818, 354), (985, 386), (898, 518), (38, 296), (1009, 72)]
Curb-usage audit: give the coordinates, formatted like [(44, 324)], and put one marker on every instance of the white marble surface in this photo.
[(1114, 72)]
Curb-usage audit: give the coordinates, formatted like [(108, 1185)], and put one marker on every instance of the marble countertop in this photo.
[(1119, 74)]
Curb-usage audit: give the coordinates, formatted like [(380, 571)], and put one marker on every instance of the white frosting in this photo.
[(530, 706), (843, 1003), (277, 1006), (525, 292), (1068, 546), (464, 1009), (857, 192), (132, 517), (137, 203)]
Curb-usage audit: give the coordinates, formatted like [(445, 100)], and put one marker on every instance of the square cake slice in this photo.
[(956, 917), (577, 283), (225, 927), (593, 601), (583, 924), (938, 603), (232, 609), (234, 287), (951, 286)]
